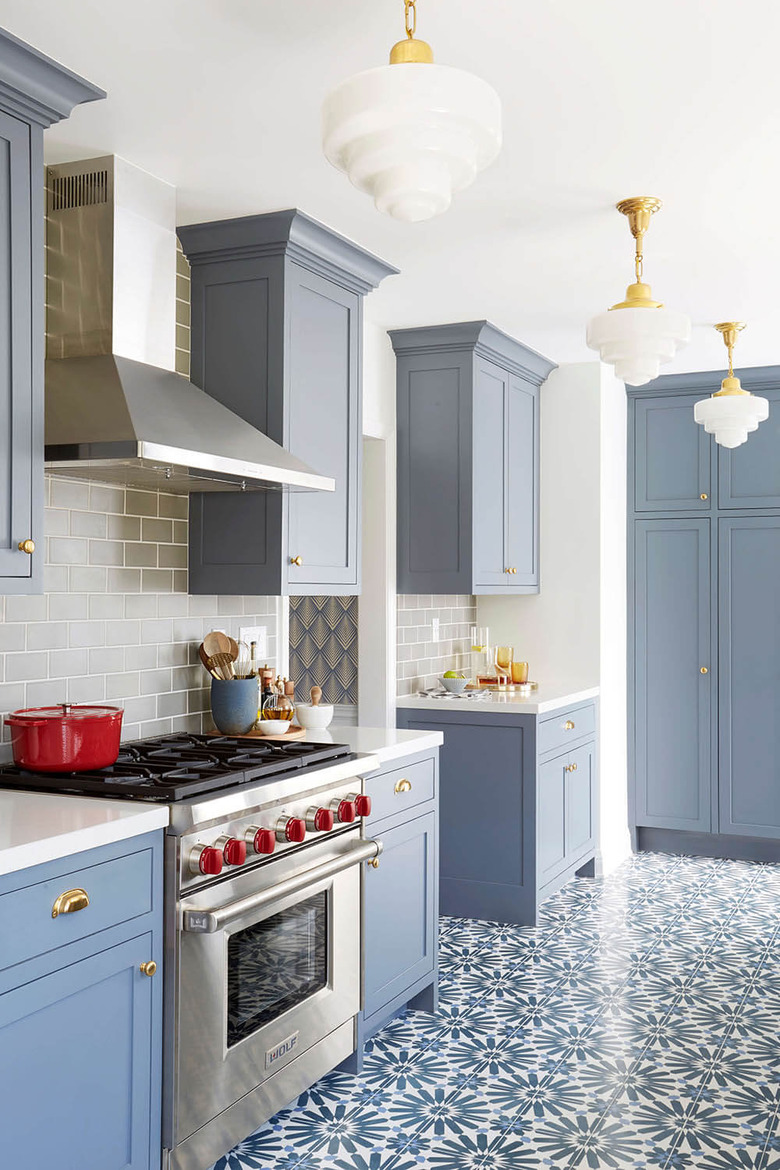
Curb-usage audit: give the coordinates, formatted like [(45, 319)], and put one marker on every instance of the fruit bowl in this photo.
[(455, 686)]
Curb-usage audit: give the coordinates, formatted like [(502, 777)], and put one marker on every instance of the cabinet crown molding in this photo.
[(705, 381), (36, 88), (290, 234), (479, 337)]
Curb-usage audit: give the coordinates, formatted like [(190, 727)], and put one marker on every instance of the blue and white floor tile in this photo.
[(637, 1026)]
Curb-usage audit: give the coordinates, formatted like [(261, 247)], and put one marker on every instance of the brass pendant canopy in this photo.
[(638, 211)]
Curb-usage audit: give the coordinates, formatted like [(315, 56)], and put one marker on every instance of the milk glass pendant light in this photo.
[(731, 413), (411, 132), (638, 335)]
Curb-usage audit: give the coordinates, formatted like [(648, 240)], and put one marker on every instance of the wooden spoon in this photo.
[(207, 662), (316, 695), (234, 650), (216, 642)]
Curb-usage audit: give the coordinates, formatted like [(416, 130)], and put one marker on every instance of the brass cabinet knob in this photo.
[(514, 570), (70, 902), (571, 767), (704, 496), (27, 546), (149, 968), (703, 669), (568, 725), (403, 786), (374, 863), (296, 560)]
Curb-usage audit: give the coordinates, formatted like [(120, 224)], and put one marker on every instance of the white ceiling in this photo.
[(602, 99)]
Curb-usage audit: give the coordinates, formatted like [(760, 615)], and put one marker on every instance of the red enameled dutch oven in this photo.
[(65, 738)]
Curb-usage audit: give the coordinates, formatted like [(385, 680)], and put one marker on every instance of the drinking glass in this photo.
[(503, 660), (480, 642), (519, 672)]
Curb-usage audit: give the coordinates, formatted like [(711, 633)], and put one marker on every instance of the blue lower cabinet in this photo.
[(519, 807), (80, 1019), (400, 897), (400, 913)]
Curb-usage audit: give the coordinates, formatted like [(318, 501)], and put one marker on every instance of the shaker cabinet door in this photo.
[(522, 480), (672, 700), (76, 1059), (749, 476), (672, 455), (21, 453), (749, 556), (491, 386), (324, 430), (400, 913)]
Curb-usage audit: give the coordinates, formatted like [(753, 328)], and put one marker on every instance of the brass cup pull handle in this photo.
[(27, 546), (70, 902), (374, 863), (149, 968), (703, 670), (403, 786), (296, 561), (568, 725)]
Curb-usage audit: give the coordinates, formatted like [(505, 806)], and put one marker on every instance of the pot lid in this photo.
[(66, 711)]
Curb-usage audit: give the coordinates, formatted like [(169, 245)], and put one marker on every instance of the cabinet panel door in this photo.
[(400, 912), (491, 386), (551, 818), (522, 501), (672, 456), (19, 458), (672, 699), (324, 430), (749, 476), (580, 801), (749, 728), (75, 1065)]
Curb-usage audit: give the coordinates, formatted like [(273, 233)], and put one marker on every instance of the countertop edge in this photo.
[(501, 703), (31, 853)]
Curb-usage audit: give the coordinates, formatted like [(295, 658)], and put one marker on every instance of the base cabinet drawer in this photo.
[(400, 913), (116, 891), (565, 727), (401, 789), (76, 1064)]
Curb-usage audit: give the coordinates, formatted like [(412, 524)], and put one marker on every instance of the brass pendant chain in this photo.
[(410, 17)]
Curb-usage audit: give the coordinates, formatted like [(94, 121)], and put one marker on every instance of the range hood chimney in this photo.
[(116, 411)]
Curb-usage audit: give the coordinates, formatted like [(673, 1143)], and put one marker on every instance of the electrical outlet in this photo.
[(250, 634), (434, 629)]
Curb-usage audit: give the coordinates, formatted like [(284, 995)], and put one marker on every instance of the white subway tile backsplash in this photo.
[(109, 630), (420, 659)]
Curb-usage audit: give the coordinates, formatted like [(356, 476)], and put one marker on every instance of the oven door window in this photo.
[(275, 965)]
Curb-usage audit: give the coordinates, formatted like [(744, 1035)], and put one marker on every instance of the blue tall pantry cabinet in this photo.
[(704, 613)]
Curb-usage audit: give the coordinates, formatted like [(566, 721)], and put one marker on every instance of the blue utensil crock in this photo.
[(234, 705)]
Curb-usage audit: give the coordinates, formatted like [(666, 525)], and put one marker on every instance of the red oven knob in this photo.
[(320, 820), (233, 850), (344, 810), (362, 803), (261, 840), (290, 829), (206, 859)]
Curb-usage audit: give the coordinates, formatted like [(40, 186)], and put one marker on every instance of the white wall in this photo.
[(573, 632)]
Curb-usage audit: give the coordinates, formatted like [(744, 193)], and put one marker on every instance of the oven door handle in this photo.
[(210, 921)]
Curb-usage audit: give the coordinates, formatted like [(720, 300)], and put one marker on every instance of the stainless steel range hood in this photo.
[(116, 411)]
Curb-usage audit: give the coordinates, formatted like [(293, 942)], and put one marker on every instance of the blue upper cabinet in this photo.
[(468, 460), (277, 318), (671, 742), (749, 557), (749, 476), (673, 456), (34, 93)]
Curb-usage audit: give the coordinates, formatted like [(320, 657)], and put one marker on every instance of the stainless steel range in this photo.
[(262, 921)]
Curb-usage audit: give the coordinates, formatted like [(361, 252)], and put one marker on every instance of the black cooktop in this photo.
[(178, 767)]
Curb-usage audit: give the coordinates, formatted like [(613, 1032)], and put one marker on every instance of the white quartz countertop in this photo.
[(547, 698), (41, 826), (387, 743)]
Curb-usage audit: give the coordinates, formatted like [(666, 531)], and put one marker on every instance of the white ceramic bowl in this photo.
[(273, 726), (314, 718), (456, 686)]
